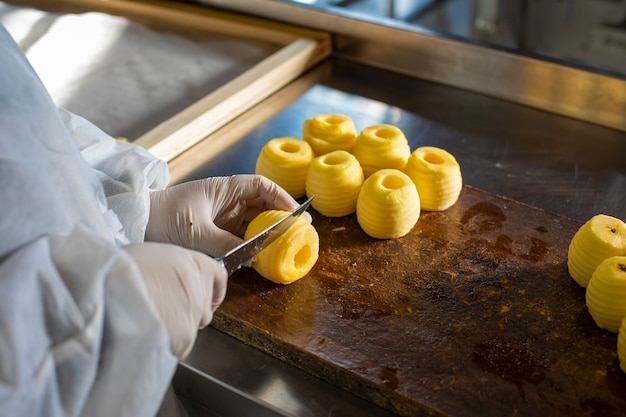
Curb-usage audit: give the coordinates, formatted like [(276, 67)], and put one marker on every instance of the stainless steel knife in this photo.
[(242, 254)]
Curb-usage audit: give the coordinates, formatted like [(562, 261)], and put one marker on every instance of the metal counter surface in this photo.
[(509, 74), (561, 165), (565, 166)]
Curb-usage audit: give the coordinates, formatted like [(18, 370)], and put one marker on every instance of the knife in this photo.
[(243, 253)]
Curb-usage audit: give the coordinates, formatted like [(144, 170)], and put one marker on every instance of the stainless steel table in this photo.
[(565, 166), (571, 168)]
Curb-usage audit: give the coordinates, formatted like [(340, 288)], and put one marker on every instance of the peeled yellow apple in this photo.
[(437, 177), (292, 255), (621, 346), (329, 132), (606, 293), (388, 205), (286, 161), (335, 179), (599, 238), (380, 147)]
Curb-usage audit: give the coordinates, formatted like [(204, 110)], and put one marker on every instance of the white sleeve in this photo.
[(72, 346), (126, 171), (79, 335)]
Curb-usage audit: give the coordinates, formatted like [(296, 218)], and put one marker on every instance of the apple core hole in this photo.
[(334, 160), (433, 158), (385, 133), (392, 182), (289, 147), (334, 120), (302, 257)]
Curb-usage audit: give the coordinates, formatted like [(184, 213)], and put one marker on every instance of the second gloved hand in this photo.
[(187, 287), (209, 215)]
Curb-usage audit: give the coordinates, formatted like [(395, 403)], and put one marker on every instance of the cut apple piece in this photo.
[(286, 161), (292, 255), (335, 179), (606, 293), (599, 238), (381, 147), (388, 205), (329, 132), (437, 177)]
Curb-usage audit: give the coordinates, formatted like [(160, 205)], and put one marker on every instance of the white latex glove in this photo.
[(187, 287), (209, 215)]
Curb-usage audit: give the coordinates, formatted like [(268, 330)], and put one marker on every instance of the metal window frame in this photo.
[(526, 79), (300, 49)]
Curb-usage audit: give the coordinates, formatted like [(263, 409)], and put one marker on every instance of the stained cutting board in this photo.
[(471, 314)]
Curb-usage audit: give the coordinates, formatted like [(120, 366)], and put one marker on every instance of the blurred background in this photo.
[(590, 33)]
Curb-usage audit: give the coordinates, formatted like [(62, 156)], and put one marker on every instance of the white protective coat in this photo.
[(79, 333)]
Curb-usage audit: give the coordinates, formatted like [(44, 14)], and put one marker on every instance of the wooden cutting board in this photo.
[(471, 314)]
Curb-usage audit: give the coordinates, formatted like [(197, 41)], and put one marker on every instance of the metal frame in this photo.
[(300, 49), (525, 79)]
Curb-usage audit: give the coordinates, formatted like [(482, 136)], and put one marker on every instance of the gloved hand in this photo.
[(186, 286), (209, 215)]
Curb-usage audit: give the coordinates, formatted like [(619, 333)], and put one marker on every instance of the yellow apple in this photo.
[(335, 179), (292, 255), (437, 176), (381, 147), (606, 293), (388, 205), (286, 161), (599, 238), (329, 132)]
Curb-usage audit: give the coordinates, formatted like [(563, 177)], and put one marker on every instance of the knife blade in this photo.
[(241, 254)]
